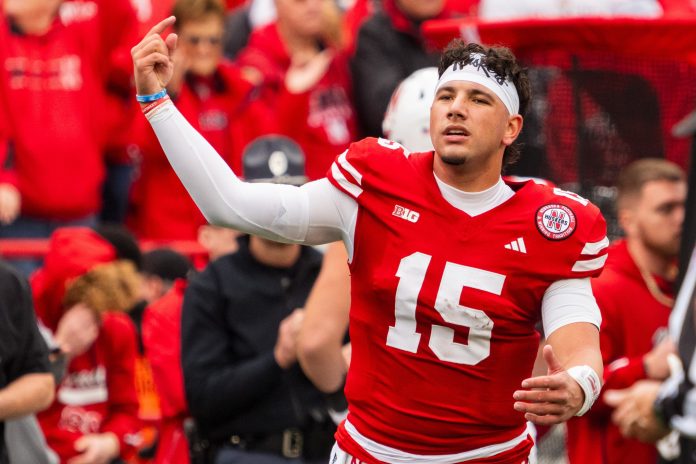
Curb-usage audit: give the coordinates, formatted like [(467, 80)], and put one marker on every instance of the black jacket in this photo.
[(384, 56), (231, 315), (22, 349)]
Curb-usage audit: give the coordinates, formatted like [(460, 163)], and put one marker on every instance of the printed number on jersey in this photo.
[(403, 334)]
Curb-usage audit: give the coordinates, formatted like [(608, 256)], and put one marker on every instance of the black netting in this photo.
[(593, 113)]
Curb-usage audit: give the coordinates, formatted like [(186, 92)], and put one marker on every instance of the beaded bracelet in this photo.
[(152, 97)]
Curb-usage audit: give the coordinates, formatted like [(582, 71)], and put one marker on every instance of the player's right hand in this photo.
[(549, 399), (153, 59)]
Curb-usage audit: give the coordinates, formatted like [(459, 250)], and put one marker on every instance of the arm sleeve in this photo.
[(568, 301), (312, 214), (218, 386)]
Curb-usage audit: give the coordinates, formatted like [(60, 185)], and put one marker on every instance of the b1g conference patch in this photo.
[(555, 222)]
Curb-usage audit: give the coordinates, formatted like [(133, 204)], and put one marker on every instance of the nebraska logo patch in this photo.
[(555, 222)]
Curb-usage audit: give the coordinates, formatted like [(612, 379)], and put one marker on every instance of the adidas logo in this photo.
[(517, 245)]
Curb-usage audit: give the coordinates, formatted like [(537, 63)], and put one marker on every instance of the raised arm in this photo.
[(314, 213)]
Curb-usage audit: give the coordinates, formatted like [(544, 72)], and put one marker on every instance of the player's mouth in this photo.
[(455, 133)]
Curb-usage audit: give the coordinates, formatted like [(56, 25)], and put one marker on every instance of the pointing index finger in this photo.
[(160, 27)]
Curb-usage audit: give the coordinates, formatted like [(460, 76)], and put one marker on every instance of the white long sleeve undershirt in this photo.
[(318, 212)]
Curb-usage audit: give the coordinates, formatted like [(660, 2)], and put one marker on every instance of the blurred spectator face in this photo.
[(303, 17), (30, 8), (421, 9), (201, 42), (658, 215)]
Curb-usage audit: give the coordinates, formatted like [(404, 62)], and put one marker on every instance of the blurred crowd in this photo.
[(80, 165)]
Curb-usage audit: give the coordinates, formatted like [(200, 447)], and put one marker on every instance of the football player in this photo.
[(451, 267)]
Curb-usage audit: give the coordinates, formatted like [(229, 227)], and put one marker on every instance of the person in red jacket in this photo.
[(305, 82), (215, 98), (635, 295), (56, 66), (77, 295)]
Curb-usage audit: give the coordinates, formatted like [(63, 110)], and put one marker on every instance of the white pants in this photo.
[(338, 456)]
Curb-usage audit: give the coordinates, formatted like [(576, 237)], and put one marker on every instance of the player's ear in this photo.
[(513, 129), (626, 218)]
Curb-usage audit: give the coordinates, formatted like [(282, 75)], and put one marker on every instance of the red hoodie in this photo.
[(630, 317), (322, 119), (97, 394), (52, 102)]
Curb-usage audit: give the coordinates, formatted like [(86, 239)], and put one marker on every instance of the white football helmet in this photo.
[(407, 120)]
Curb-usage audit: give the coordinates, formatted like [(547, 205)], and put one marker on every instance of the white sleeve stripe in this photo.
[(590, 264), (345, 164), (345, 184), (592, 248)]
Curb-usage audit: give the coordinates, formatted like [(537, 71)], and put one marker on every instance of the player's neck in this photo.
[(273, 254), (466, 178), (651, 261)]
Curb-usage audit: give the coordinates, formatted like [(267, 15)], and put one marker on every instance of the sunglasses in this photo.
[(196, 40)]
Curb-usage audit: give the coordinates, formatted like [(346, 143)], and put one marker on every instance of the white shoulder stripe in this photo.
[(590, 264), (592, 248), (349, 167), (347, 185)]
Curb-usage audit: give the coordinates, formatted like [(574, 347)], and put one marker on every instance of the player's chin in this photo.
[(453, 158)]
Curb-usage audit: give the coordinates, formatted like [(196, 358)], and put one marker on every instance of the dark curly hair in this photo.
[(500, 60)]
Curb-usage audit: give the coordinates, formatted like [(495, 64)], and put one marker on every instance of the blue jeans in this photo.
[(31, 227)]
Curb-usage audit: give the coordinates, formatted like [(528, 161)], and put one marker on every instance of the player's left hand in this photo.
[(634, 411), (549, 399)]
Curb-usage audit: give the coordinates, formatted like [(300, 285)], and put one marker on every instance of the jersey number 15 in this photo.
[(455, 278)]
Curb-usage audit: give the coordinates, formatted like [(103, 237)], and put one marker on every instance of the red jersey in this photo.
[(630, 317), (444, 304)]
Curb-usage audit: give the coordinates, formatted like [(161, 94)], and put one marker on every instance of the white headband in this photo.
[(477, 71)]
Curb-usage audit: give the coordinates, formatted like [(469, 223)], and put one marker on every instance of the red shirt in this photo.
[(162, 340), (97, 394), (321, 120), (219, 107), (630, 317), (443, 307)]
